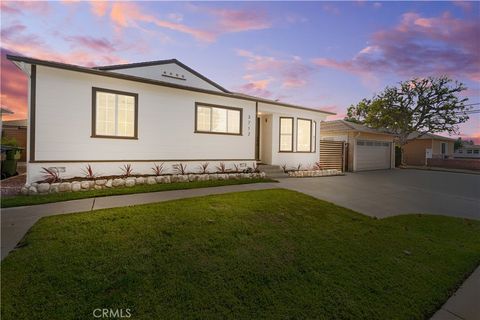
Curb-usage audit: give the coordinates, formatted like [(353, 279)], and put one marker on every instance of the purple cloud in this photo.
[(418, 46)]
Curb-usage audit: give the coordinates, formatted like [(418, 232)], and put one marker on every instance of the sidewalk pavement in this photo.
[(465, 303), (17, 221)]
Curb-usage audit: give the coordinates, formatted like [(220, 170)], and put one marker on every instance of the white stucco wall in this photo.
[(156, 73), (291, 159), (165, 126)]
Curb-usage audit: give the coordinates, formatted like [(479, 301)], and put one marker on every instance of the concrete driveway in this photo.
[(401, 191)]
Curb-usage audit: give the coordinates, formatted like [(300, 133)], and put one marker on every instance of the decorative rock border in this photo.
[(98, 184), (315, 173)]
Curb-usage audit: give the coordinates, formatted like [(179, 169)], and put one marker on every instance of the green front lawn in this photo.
[(263, 254), (17, 201)]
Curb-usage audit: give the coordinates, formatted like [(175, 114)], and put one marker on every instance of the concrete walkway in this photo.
[(17, 221), (465, 303)]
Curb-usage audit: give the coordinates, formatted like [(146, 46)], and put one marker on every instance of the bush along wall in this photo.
[(116, 182)]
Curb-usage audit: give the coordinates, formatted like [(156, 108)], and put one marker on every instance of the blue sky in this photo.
[(319, 54)]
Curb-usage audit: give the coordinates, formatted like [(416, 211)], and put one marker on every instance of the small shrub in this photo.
[(317, 166), (12, 142), (284, 167), (237, 167), (127, 170), (158, 169), (255, 168), (88, 172), (50, 175), (180, 168), (247, 170), (221, 167), (299, 167), (204, 167)]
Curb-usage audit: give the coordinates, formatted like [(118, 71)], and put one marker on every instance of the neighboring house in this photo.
[(153, 112), (421, 147), (368, 149), (472, 152), (16, 129)]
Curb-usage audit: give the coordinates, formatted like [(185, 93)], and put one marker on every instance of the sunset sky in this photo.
[(325, 55)]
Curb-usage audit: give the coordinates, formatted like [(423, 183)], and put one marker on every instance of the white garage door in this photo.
[(373, 155)]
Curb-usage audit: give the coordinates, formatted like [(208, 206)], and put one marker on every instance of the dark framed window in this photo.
[(304, 135), (210, 118), (286, 134), (114, 114)]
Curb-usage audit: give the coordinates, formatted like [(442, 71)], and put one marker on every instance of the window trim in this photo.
[(280, 134), (202, 104), (310, 151), (313, 147), (94, 113)]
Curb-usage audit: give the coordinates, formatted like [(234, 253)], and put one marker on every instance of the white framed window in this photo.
[(217, 119), (314, 136), (304, 135), (286, 134), (114, 114)]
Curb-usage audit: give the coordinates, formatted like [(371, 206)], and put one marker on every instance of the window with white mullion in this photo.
[(304, 135), (115, 114), (212, 119)]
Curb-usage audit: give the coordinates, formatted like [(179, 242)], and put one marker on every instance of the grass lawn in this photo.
[(272, 254), (17, 201)]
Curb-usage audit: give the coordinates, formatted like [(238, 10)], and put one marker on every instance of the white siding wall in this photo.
[(165, 125), (156, 73), (291, 159)]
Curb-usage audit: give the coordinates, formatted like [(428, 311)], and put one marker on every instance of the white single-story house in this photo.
[(153, 112), (368, 149), (468, 151)]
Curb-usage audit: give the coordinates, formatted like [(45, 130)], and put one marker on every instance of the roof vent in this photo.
[(173, 75)]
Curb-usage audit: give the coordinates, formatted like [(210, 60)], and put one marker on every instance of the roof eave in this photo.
[(77, 68)]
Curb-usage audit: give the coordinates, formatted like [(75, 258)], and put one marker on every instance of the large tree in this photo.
[(427, 105)]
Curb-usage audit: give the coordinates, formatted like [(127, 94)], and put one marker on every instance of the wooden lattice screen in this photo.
[(333, 155)]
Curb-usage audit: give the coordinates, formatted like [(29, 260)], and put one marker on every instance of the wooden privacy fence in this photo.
[(333, 155)]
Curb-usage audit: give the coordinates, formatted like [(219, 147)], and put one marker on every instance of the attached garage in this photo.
[(373, 155), (368, 149)]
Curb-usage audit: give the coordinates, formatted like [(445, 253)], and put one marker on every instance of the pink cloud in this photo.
[(475, 137), (255, 88), (239, 20), (289, 72), (95, 44), (128, 14), (99, 8), (85, 52), (418, 46), (8, 8), (14, 87), (39, 7)]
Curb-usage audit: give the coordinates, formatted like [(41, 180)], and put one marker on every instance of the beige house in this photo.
[(420, 148), (368, 149)]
